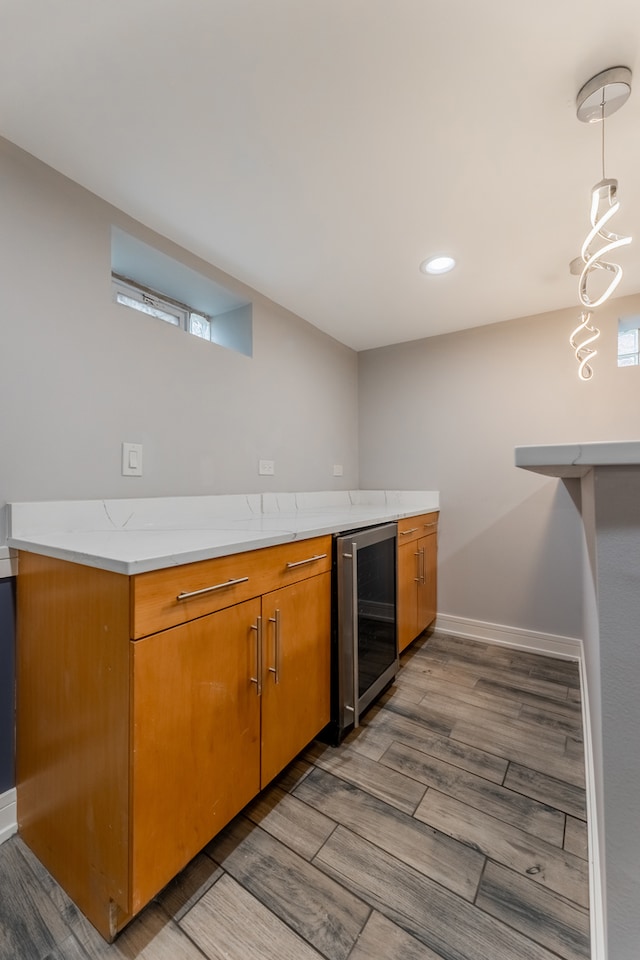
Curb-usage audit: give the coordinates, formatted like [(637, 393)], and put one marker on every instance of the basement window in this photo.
[(628, 341), (150, 281), (154, 304)]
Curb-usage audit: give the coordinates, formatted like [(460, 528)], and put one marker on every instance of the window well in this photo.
[(147, 280)]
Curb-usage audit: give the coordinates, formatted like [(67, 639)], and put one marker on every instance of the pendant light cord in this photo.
[(602, 121)]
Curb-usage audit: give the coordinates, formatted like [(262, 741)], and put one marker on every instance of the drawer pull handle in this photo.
[(404, 533), (257, 626), (217, 586), (433, 524), (276, 670), (300, 563)]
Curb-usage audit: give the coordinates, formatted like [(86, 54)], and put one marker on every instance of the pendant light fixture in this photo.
[(597, 99)]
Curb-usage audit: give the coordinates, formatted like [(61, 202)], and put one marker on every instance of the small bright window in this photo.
[(156, 305), (150, 281), (149, 305), (200, 326), (628, 341)]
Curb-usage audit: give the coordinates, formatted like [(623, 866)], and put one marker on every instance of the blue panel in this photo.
[(7, 683)]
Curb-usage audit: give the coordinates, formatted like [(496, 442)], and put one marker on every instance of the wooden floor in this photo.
[(451, 825)]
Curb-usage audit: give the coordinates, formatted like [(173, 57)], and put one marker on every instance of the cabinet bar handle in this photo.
[(404, 533), (356, 651), (300, 563), (422, 565), (276, 670), (257, 626), (217, 586), (433, 524), (417, 555)]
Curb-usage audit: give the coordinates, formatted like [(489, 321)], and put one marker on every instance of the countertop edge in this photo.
[(576, 459), (146, 565)]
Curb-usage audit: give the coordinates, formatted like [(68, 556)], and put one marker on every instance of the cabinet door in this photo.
[(195, 739), (296, 685), (407, 601), (427, 587)]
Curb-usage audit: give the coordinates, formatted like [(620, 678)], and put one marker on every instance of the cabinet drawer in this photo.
[(412, 528), (165, 598)]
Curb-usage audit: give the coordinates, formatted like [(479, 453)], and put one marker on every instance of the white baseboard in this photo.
[(552, 645), (8, 815)]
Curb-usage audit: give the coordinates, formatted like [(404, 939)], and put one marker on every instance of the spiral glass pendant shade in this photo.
[(581, 340), (604, 206), (600, 97)]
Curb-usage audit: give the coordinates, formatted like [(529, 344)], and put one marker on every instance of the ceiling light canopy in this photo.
[(605, 93), (441, 263)]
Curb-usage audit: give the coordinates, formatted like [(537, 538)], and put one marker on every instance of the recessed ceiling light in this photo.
[(437, 264)]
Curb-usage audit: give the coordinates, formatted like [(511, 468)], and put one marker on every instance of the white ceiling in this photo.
[(319, 150)]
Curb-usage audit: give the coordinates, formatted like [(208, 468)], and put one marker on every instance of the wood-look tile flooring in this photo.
[(450, 826)]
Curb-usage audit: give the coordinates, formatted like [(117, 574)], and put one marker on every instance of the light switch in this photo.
[(131, 459), (337, 469)]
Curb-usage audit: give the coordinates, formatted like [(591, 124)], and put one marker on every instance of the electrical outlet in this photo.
[(337, 469), (266, 468), (131, 459)]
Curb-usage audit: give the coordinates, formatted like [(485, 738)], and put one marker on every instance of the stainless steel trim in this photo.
[(217, 586), (346, 695), (257, 626), (383, 680), (300, 563), (348, 704), (354, 632), (276, 670)]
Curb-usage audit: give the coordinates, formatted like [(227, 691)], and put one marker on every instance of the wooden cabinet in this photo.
[(152, 708), (195, 740), (296, 686), (417, 576)]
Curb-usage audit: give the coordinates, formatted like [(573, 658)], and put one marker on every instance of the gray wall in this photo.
[(447, 412), (81, 373)]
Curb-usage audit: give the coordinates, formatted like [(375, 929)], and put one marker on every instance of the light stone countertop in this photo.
[(575, 459), (135, 536)]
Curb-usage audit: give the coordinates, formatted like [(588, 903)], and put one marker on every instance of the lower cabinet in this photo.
[(417, 576), (134, 748), (195, 740), (220, 705), (297, 667)]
